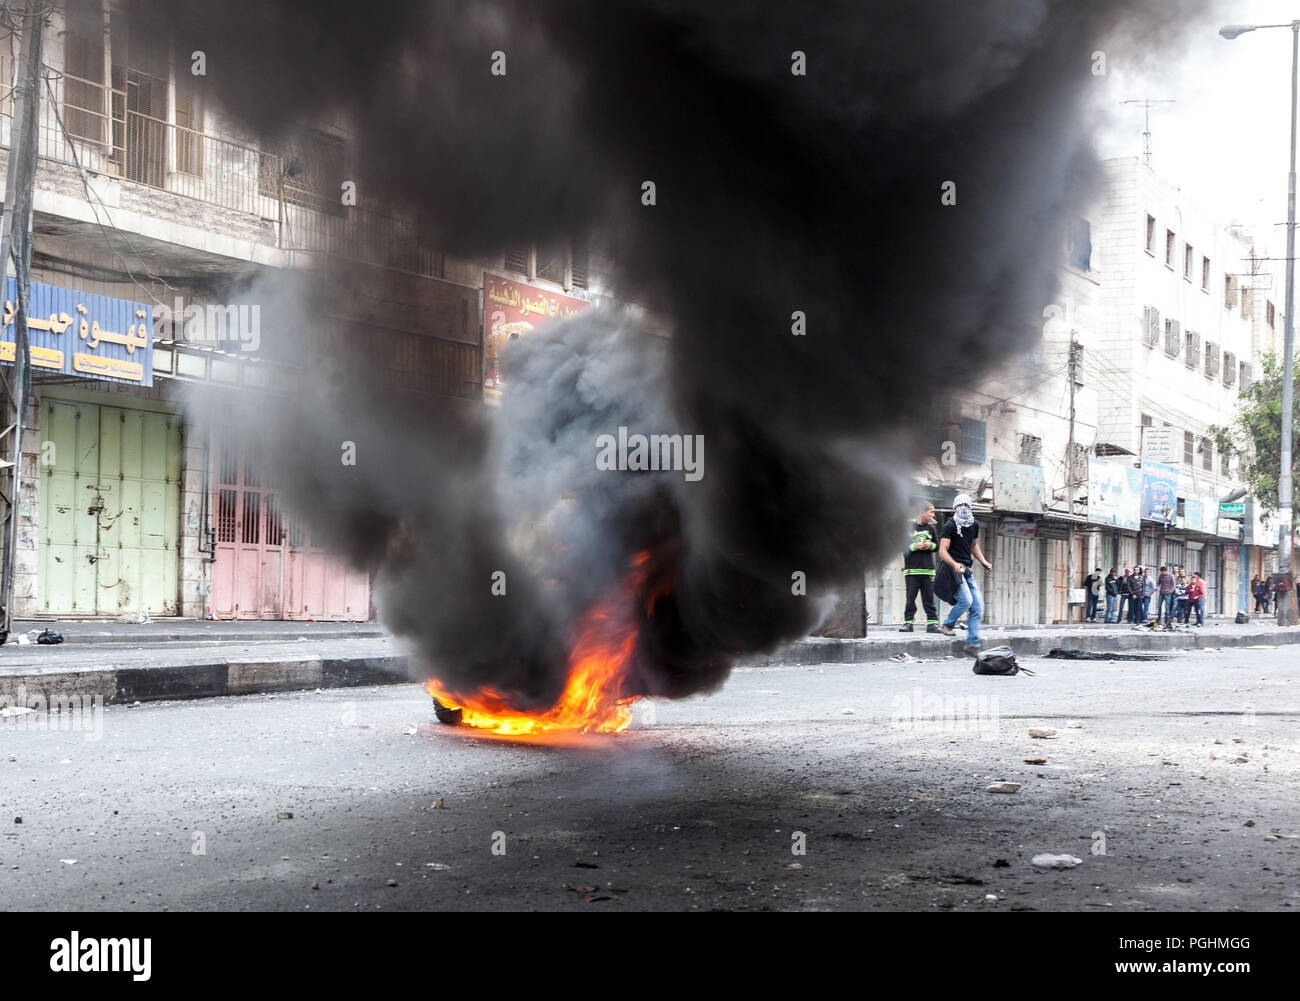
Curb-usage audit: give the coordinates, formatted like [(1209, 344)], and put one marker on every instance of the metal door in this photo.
[(110, 510), (1060, 552), (1127, 552), (248, 565), (266, 565), (1213, 597), (1015, 590)]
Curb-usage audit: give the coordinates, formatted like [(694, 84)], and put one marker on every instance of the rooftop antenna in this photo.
[(1146, 103)]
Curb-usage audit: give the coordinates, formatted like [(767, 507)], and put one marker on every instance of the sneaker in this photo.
[(947, 630), (906, 628), (974, 651), (932, 628)]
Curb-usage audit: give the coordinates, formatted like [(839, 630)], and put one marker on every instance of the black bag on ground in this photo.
[(999, 660), (49, 636)]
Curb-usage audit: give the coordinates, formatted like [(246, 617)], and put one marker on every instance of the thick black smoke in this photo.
[(776, 193)]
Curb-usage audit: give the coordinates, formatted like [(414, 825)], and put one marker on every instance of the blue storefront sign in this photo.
[(1159, 492), (82, 334)]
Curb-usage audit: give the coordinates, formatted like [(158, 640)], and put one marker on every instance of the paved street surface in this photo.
[(1179, 791)]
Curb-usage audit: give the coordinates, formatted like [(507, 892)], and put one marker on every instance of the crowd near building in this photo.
[(1094, 448), (149, 202)]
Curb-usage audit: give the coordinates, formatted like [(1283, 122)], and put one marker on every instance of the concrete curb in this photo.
[(860, 651), (208, 679)]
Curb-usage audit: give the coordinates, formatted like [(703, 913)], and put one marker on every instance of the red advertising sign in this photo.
[(512, 309)]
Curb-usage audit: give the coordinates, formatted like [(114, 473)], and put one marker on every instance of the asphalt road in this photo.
[(1178, 792)]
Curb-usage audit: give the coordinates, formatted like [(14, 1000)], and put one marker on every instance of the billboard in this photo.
[(1159, 492), (513, 309), (1017, 487), (1114, 494), (80, 334)]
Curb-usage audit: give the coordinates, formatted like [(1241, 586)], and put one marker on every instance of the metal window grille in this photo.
[(1229, 368), (1193, 358), (1173, 338), (1031, 449), (1211, 360), (1150, 326)]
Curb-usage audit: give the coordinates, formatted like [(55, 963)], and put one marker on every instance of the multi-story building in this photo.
[(148, 199), (1161, 316)]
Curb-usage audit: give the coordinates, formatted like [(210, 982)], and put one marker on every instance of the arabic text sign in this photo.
[(1161, 444), (1159, 492), (1114, 494), (81, 334), (512, 309)]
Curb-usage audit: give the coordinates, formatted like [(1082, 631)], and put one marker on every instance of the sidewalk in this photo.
[(884, 642), (184, 659)]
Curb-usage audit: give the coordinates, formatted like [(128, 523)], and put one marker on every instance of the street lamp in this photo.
[(1286, 608)]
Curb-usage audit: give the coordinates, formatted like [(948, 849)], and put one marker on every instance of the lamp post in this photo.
[(1286, 608)]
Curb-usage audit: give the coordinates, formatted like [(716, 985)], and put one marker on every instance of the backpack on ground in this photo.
[(999, 660)]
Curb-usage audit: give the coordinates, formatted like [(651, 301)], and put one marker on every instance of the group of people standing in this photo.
[(1264, 592), (1128, 596)]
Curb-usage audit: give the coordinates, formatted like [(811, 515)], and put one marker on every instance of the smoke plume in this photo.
[(778, 196)]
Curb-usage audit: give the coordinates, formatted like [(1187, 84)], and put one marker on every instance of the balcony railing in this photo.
[(87, 124)]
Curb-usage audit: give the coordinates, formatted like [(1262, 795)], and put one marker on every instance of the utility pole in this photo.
[(1072, 375), (15, 243), (1286, 610)]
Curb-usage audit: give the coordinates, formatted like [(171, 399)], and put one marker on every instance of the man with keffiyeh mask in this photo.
[(959, 547)]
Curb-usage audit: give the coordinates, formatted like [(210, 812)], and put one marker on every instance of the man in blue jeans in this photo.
[(959, 547)]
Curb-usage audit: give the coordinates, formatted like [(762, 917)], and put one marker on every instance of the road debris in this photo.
[(437, 866), (1069, 653), (1075, 724), (1042, 734), (286, 815), (1049, 861), (1004, 787), (16, 711), (437, 805), (1035, 761)]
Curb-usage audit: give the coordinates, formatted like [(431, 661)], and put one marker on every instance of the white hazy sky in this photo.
[(1226, 140)]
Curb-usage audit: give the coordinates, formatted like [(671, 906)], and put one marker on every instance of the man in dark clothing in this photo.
[(1135, 594), (1092, 584), (918, 569), (1112, 594), (959, 548), (1121, 585), (1165, 585)]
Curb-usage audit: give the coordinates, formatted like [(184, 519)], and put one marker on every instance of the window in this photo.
[(1170, 242), (1146, 420), (553, 262), (1188, 257), (580, 263), (1224, 458), (1189, 444), (1193, 344), (1207, 455), (1150, 326), (1151, 235), (1031, 450), (516, 260), (1211, 360), (308, 171), (1247, 295), (972, 440), (1081, 244), (83, 67), (1269, 313), (1229, 368), (1229, 291), (1173, 338), (1243, 376), (1205, 274)]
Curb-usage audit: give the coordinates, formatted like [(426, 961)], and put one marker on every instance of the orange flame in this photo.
[(606, 640)]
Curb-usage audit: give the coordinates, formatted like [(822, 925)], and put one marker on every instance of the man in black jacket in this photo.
[(918, 569), (1112, 594)]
